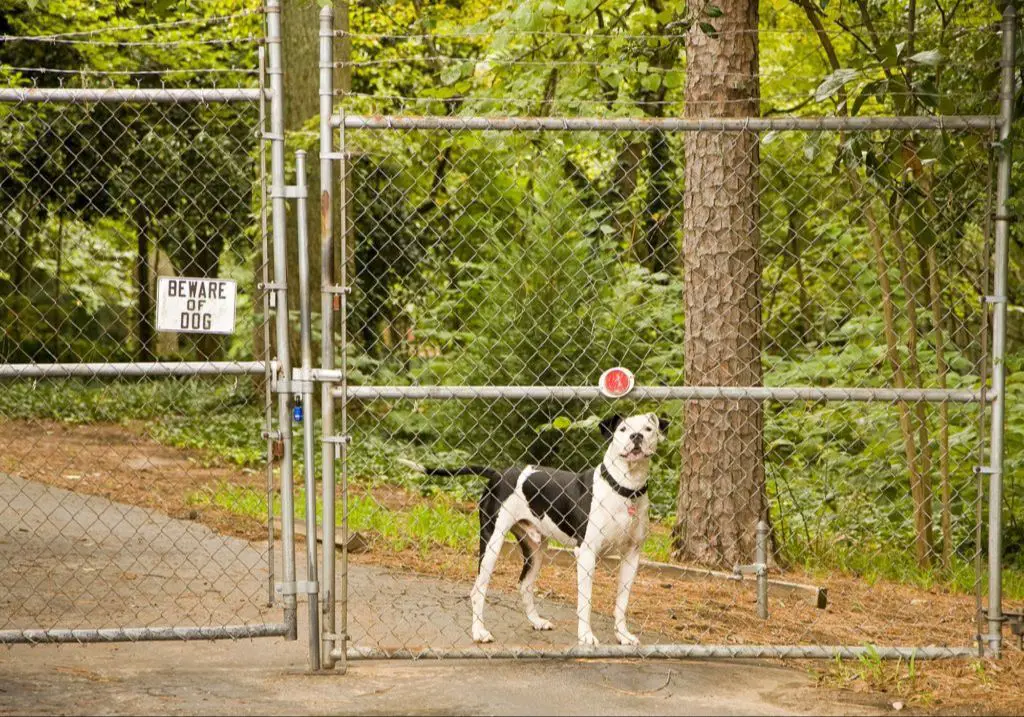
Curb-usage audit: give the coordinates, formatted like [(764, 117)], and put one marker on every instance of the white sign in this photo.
[(195, 306)]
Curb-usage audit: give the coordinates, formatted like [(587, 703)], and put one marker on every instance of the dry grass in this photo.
[(121, 464)]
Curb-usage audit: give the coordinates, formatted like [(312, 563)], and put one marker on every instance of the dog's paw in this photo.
[(587, 639), (481, 634), (542, 624), (626, 638)]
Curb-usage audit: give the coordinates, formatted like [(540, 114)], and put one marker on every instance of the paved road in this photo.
[(81, 561)]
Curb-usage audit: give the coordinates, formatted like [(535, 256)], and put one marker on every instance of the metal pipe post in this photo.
[(327, 605), (284, 419), (648, 393), (998, 301), (268, 377), (306, 385), (669, 652), (761, 558), (83, 95), (665, 124), (342, 646)]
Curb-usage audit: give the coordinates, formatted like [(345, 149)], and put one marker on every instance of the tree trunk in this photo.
[(722, 490), (207, 261), (921, 544), (300, 49), (923, 506), (144, 300), (942, 369)]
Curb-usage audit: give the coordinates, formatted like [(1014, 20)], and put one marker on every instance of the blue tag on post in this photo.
[(297, 414)]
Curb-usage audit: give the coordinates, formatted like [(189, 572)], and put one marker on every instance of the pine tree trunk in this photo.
[(300, 48), (722, 491), (144, 300)]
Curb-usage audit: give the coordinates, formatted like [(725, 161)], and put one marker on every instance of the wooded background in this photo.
[(821, 258)]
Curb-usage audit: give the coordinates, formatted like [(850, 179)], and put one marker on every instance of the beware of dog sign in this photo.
[(616, 382), (195, 306)]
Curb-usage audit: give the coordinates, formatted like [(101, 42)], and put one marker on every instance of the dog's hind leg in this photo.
[(533, 556), (502, 524)]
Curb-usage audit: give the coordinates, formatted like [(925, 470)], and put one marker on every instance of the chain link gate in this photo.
[(428, 253), (182, 170)]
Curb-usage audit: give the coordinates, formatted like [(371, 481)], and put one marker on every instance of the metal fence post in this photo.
[(762, 572), (998, 301), (308, 440), (327, 326), (340, 651), (277, 192), (268, 377)]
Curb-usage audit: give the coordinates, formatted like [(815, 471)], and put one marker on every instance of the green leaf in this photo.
[(875, 87), (561, 423), (575, 8), (713, 11), (927, 57), (834, 82), (708, 29), (673, 79), (651, 82)]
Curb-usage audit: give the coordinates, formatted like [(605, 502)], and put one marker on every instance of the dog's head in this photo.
[(634, 438)]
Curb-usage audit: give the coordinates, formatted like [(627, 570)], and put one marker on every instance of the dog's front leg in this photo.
[(586, 564), (627, 573)]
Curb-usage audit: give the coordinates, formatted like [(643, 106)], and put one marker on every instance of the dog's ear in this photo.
[(608, 425), (663, 424)]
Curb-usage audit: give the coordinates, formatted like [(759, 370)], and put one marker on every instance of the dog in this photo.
[(602, 509)]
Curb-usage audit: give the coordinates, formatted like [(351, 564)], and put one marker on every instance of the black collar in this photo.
[(631, 493)]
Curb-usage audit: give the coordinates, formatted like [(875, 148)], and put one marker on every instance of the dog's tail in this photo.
[(449, 472)]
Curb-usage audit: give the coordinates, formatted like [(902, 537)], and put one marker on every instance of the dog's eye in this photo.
[(622, 430), (648, 429)]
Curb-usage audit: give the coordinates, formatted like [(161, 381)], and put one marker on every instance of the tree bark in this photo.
[(722, 490), (942, 368), (144, 300), (300, 49), (921, 543)]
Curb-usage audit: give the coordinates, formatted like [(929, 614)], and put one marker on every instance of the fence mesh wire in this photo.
[(125, 498), (542, 258)]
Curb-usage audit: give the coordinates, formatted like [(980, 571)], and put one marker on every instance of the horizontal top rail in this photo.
[(672, 124), (156, 368), (655, 393), (82, 95)]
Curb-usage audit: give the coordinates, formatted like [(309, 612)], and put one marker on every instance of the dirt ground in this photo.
[(116, 462)]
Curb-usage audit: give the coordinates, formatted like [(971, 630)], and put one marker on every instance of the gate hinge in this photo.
[(984, 470), (335, 289), (295, 385), (308, 587), (271, 435), (340, 440), (291, 191), (995, 299)]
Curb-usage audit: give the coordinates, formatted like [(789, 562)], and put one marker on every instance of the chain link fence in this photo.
[(813, 309), (802, 302), (130, 458)]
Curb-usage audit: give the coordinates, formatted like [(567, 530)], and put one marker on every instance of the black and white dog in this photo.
[(597, 511)]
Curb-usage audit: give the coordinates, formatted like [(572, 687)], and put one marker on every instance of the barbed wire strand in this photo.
[(132, 43), (103, 73), (215, 19)]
